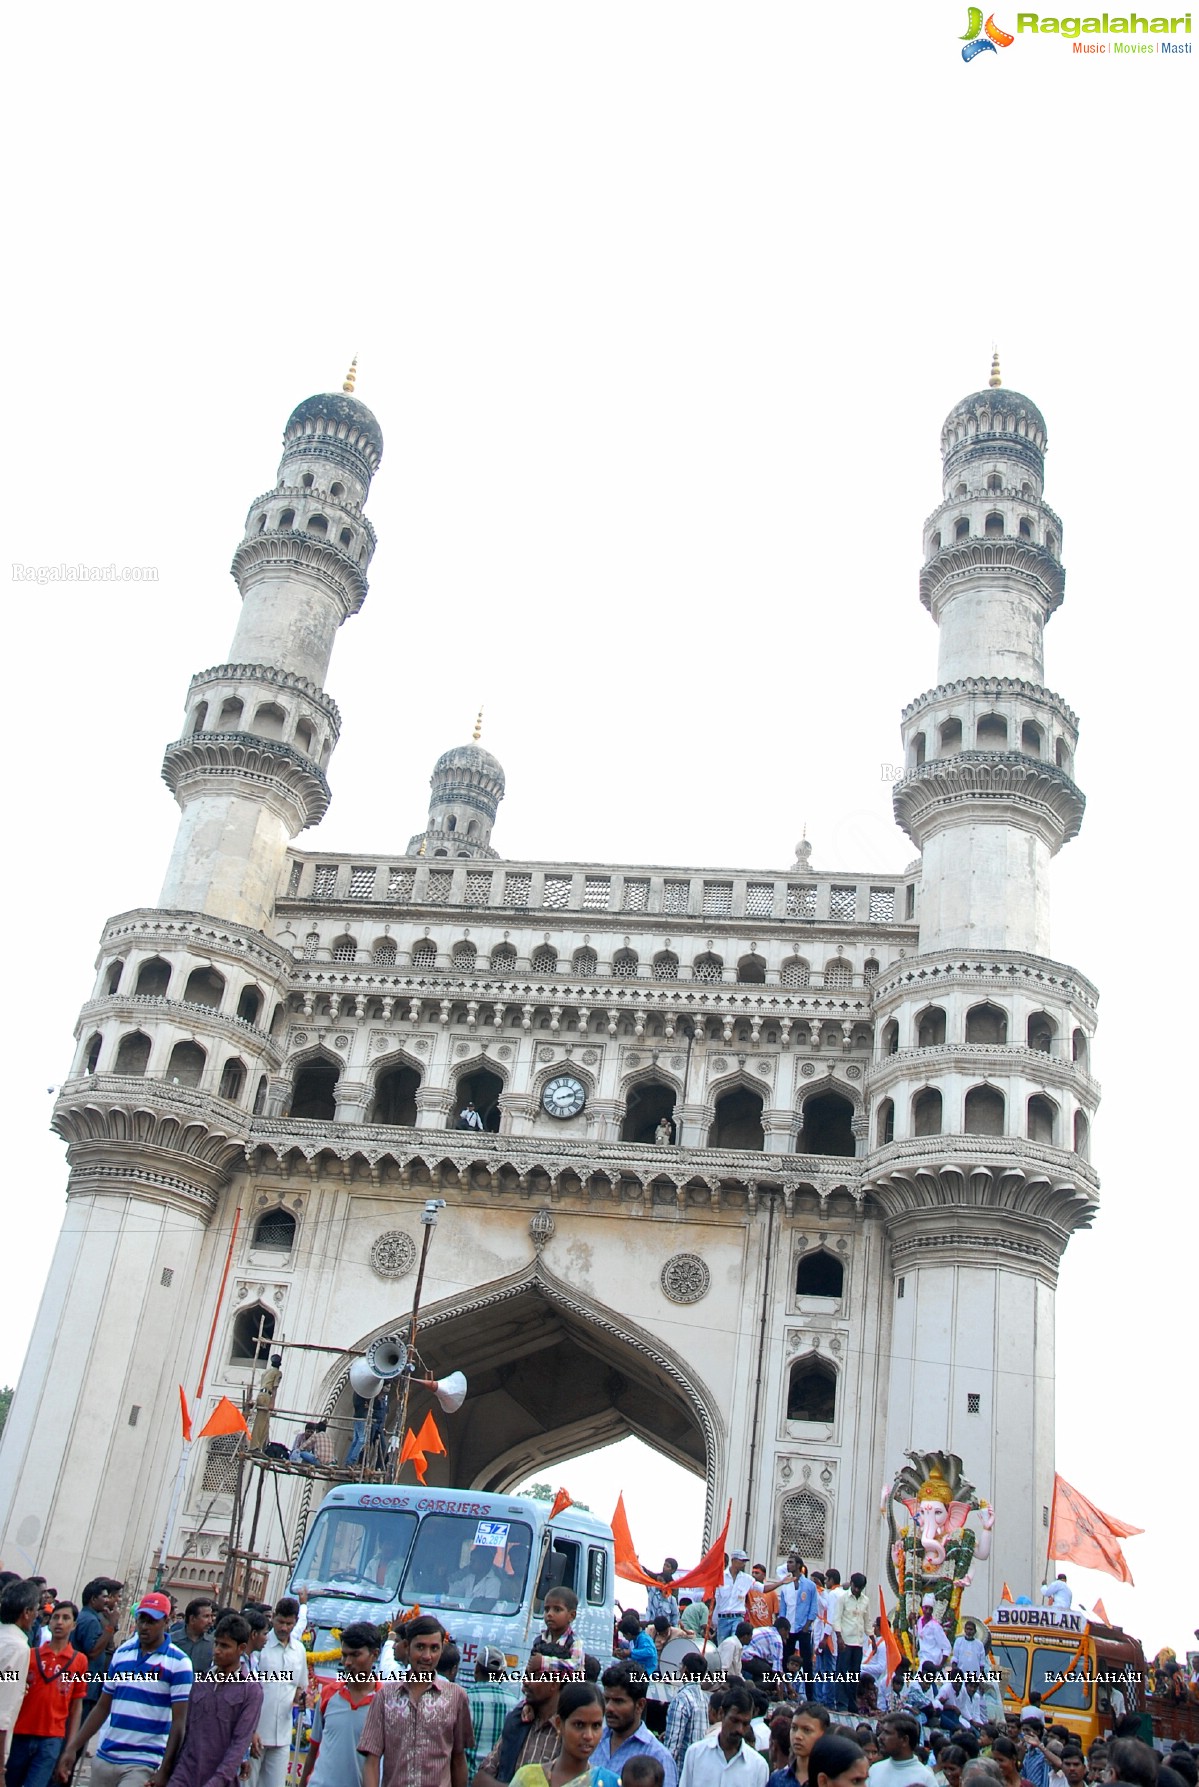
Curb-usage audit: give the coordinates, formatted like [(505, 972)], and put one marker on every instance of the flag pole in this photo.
[(168, 1532), (1052, 1523), (429, 1223)]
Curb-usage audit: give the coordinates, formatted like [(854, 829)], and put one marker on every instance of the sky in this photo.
[(660, 308)]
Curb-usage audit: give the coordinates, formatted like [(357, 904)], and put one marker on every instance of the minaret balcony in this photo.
[(305, 553), (982, 1060), (1003, 787), (266, 764), (182, 1014), (960, 564)]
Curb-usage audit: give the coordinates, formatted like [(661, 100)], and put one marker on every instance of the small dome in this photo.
[(998, 401), (472, 759), (338, 409)]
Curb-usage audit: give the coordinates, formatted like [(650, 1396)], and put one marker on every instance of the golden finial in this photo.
[(477, 734), (995, 378), (421, 851), (351, 376)]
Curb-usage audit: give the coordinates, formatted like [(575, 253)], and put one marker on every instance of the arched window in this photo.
[(312, 943), (994, 482), (885, 1130), (1030, 739), (233, 1079), (644, 1109), (344, 949), (934, 544), (313, 1091), (305, 737), (1061, 755), (1041, 1032), (751, 971), (991, 733), (249, 1006), (92, 1059), (803, 1526), (1079, 1049), (625, 964), (133, 1053), (204, 987), (584, 963), (544, 960), (869, 971), (287, 518), (395, 1097), (986, 1023), (951, 737), (960, 490), (345, 537), (993, 526), (666, 965), (482, 1089), (269, 720), (306, 481), (926, 1112), (318, 524), (1025, 528), (186, 1065), (891, 1037), (199, 717), (985, 1111), (838, 973), (153, 979), (819, 1274), (253, 1332), (451, 823), (337, 491), (827, 1126), (113, 978), (384, 953), (918, 750), (231, 715), (503, 959), (464, 958), (1082, 1136), (1042, 1119), (260, 1096), (738, 1121), (275, 1231), (1051, 542), (709, 969), (930, 1028), (812, 1390), (961, 528), (424, 955), (261, 526), (796, 973), (472, 828)]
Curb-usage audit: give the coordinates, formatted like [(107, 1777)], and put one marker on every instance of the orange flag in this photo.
[(225, 1418), (708, 1573), (627, 1566), (410, 1453), (1007, 1593), (1100, 1612), (890, 1641), (561, 1502), (1080, 1531), (187, 1420), (429, 1440)]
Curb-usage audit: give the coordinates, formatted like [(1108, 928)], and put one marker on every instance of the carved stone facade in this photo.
[(775, 1167)]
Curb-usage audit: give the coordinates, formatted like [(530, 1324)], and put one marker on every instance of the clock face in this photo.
[(564, 1096)]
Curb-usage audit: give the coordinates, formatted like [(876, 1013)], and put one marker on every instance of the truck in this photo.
[(481, 1563), (1087, 1674)]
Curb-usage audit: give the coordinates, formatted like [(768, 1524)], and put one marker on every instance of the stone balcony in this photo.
[(983, 1059)]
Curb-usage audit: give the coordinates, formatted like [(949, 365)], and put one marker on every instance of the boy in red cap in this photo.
[(144, 1699)]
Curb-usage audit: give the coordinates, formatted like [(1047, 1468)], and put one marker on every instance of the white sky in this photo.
[(660, 307)]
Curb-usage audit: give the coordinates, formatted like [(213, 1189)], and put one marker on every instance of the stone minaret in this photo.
[(249, 770), (981, 1091), (466, 788), (179, 1037)]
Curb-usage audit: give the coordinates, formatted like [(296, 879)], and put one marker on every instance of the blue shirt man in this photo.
[(625, 1735)]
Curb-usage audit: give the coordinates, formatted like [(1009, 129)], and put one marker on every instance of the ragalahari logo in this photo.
[(979, 37)]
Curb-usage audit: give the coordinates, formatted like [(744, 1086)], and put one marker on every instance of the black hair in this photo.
[(423, 1626), (361, 1636), (288, 1606), (69, 1604), (17, 1598), (903, 1725), (591, 1667), (99, 1585), (235, 1626), (633, 1682), (738, 1699), (256, 1619), (193, 1607), (1182, 1761), (968, 1740), (1003, 1746), (954, 1755), (812, 1709), (744, 1630), (577, 1694), (1131, 1760), (566, 1597), (661, 1625), (449, 1659), (642, 1771), (630, 1623), (693, 1667), (832, 1756)]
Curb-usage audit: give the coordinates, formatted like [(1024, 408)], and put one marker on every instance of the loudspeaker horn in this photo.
[(364, 1381), (449, 1391), (387, 1358)]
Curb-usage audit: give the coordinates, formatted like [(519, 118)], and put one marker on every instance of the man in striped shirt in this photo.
[(144, 1699)]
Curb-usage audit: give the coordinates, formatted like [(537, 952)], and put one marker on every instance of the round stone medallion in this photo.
[(393, 1254), (685, 1278)]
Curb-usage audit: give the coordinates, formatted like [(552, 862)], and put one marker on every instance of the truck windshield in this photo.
[(1058, 1687), (479, 1566), (1012, 1661), (356, 1551)]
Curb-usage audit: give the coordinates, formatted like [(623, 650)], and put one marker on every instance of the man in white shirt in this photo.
[(731, 1649), (1058, 1594), (480, 1581), (729, 1605), (969, 1652), (18, 1610), (726, 1757), (898, 1736), (932, 1646), (853, 1623), (282, 1655)]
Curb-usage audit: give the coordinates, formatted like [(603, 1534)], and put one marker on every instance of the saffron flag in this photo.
[(226, 1417), (1080, 1531), (187, 1420), (410, 1453), (890, 1641), (1007, 1593), (561, 1502), (708, 1573), (429, 1440), (628, 1567), (1100, 1612)]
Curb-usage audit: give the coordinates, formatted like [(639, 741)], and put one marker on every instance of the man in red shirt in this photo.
[(761, 1603), (53, 1703)]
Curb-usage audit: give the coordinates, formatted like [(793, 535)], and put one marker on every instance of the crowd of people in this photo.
[(774, 1687)]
